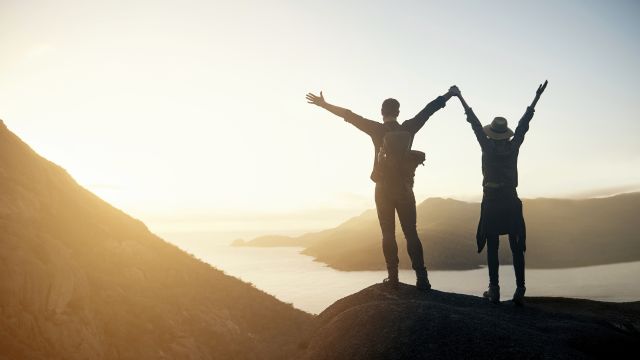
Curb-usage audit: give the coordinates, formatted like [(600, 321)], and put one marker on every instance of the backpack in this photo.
[(397, 163)]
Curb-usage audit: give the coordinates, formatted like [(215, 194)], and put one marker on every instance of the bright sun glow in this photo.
[(177, 112)]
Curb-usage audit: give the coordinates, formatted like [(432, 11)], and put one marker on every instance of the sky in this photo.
[(190, 115)]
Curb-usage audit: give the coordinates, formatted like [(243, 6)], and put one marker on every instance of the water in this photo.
[(312, 286)]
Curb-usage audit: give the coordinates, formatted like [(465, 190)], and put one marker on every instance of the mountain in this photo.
[(560, 233), (80, 279), (380, 323)]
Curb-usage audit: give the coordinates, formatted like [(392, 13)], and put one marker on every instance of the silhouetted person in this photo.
[(394, 182), (501, 209)]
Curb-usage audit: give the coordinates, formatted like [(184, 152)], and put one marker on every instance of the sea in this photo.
[(312, 286)]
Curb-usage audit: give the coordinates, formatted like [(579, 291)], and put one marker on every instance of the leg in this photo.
[(407, 214), (493, 293), (406, 207), (492, 259), (518, 259), (387, 218)]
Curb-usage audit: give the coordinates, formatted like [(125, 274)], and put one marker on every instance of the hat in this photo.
[(498, 130)]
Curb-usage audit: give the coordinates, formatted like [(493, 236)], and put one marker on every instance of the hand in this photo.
[(315, 100), (541, 88), (454, 91)]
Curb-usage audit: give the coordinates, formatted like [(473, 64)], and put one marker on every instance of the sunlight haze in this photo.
[(193, 112)]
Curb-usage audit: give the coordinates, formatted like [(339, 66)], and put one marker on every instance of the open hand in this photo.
[(316, 100), (541, 88)]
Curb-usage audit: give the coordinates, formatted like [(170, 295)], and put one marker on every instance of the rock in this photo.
[(382, 323)]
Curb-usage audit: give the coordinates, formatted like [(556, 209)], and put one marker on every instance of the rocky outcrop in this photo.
[(80, 279), (382, 323)]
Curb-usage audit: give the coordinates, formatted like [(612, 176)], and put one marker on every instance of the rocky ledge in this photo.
[(383, 323)]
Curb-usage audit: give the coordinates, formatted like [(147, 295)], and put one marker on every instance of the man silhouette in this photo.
[(393, 192), (501, 209)]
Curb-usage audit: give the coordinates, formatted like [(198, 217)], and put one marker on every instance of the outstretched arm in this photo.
[(358, 121), (319, 101), (538, 93), (523, 124), (414, 125), (476, 126)]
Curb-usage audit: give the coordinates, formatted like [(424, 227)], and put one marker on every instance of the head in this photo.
[(390, 110), (498, 129)]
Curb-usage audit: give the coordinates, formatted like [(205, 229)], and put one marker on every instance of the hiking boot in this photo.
[(422, 283), (392, 283), (422, 280), (392, 280), (493, 294), (518, 296)]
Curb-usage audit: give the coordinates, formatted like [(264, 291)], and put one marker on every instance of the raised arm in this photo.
[(417, 122), (320, 101), (523, 124), (367, 126), (476, 126)]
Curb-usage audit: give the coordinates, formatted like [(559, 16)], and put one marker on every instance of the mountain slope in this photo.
[(560, 233), (379, 323), (80, 279)]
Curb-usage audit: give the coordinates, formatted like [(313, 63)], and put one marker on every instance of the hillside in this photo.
[(378, 323), (80, 279), (560, 233)]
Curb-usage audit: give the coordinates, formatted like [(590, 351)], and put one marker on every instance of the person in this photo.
[(394, 190), (501, 208)]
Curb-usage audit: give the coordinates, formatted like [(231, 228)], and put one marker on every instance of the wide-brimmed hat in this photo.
[(498, 130)]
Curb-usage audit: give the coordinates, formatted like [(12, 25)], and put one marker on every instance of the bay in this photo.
[(312, 286)]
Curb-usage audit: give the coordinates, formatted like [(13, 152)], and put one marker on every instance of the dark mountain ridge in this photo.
[(561, 233)]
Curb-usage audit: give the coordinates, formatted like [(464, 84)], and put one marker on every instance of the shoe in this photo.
[(392, 278), (518, 296), (493, 294), (391, 282), (422, 283), (422, 280)]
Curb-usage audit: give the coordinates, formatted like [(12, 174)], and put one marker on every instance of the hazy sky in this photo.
[(185, 112)]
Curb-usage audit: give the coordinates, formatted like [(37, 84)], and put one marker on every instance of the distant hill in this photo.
[(560, 233), (80, 279), (378, 323)]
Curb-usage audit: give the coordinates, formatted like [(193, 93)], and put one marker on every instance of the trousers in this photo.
[(400, 199), (492, 259)]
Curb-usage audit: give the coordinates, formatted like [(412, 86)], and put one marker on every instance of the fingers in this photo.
[(541, 88), (311, 99), (313, 96)]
